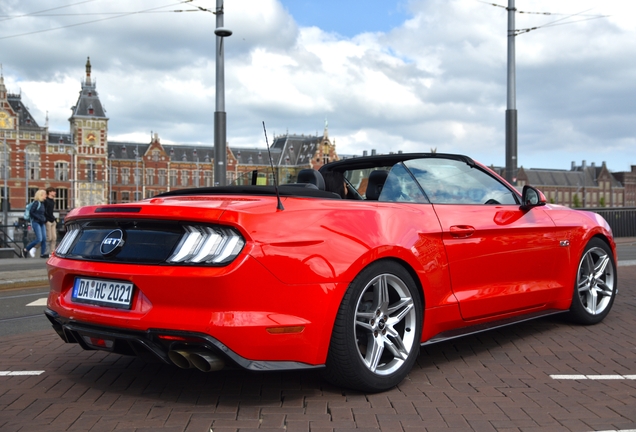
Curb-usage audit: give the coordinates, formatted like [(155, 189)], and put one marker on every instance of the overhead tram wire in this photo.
[(101, 13), (541, 13), (550, 24), (98, 20), (10, 17), (554, 24)]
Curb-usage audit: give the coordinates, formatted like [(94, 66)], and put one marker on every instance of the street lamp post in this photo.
[(511, 111), (220, 119), (136, 174), (26, 175), (5, 202), (72, 179)]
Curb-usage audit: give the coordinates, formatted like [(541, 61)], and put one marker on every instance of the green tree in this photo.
[(601, 202), (576, 202)]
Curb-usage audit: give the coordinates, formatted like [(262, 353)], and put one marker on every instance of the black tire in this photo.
[(381, 309), (595, 286)]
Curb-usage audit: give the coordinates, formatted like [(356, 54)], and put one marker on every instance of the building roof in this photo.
[(577, 176), (88, 103), (295, 150)]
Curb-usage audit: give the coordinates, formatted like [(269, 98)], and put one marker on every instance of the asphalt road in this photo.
[(22, 311), (626, 251), (542, 375)]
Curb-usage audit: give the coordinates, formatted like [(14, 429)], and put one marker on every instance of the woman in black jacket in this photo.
[(38, 222)]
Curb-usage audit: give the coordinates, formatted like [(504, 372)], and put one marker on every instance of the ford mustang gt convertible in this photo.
[(415, 249)]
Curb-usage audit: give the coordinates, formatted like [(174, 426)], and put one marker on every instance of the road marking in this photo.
[(593, 377), (22, 295), (38, 302), (20, 373)]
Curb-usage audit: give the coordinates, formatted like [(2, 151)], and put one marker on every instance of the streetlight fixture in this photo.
[(220, 119)]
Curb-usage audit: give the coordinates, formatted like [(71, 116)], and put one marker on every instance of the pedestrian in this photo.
[(335, 182), (51, 221), (38, 221)]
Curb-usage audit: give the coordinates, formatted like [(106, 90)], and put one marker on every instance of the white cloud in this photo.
[(436, 81)]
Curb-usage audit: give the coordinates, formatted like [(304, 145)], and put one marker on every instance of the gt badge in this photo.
[(112, 243)]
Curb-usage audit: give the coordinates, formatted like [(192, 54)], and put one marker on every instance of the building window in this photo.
[(5, 171), (113, 197), (32, 191), (150, 193), (2, 200), (61, 199), (207, 175), (33, 163), (113, 175), (185, 178), (162, 177), (125, 197), (150, 176), (173, 177), (91, 174), (137, 196), (137, 176), (61, 171), (125, 177)]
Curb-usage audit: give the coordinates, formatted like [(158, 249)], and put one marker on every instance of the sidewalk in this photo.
[(22, 273), (13, 273)]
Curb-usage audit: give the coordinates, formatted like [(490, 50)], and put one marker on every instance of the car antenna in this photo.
[(271, 163)]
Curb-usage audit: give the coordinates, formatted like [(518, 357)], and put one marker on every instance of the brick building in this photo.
[(581, 186), (87, 168)]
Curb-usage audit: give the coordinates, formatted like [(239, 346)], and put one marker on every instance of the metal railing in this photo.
[(621, 219), (14, 237)]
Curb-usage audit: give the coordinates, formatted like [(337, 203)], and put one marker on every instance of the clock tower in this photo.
[(89, 131)]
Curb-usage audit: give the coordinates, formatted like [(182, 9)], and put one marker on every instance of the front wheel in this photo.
[(377, 333), (596, 284)]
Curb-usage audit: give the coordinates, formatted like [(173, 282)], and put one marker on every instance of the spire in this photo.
[(88, 71), (3, 88), (326, 132)]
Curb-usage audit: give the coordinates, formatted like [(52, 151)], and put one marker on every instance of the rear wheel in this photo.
[(596, 284), (377, 333)]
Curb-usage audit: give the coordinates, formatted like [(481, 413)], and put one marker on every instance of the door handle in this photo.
[(461, 231)]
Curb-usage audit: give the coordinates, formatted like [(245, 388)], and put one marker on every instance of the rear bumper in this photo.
[(157, 344)]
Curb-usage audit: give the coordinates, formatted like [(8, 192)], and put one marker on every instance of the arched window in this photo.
[(5, 162), (32, 162)]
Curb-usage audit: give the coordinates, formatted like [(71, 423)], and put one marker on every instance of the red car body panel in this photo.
[(238, 307), (473, 264)]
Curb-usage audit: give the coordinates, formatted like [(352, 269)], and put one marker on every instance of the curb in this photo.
[(9, 284)]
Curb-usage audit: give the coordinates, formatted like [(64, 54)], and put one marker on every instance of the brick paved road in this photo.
[(495, 381)]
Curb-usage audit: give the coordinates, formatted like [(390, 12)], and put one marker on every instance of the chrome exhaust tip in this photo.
[(181, 359), (205, 361)]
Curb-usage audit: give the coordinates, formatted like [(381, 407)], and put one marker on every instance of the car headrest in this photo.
[(376, 182), (311, 176)]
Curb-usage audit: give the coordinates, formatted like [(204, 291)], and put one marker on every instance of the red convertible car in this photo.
[(420, 248)]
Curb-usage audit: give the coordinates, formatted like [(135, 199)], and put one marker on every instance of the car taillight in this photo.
[(206, 245), (72, 232)]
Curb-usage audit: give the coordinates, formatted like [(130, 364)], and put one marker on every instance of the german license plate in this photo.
[(103, 292)]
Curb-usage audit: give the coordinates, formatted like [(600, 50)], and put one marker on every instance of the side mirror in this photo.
[(531, 197)]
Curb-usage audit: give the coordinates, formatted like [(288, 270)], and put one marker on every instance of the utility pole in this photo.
[(5, 202), (136, 174), (511, 108), (220, 118), (26, 175)]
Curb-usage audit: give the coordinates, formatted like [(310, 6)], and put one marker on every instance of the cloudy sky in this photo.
[(389, 75)]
